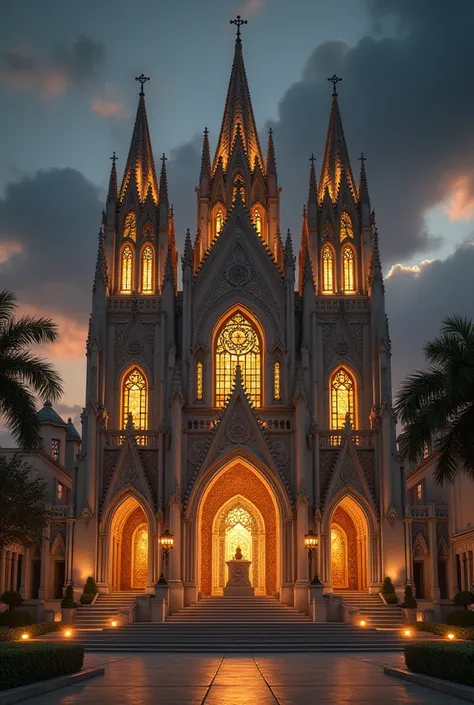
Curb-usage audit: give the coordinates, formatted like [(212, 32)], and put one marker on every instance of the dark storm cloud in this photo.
[(417, 302), (48, 240), (183, 176), (66, 68)]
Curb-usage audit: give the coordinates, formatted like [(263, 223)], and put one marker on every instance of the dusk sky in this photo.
[(69, 97)]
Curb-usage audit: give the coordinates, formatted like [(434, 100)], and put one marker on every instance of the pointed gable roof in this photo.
[(238, 111), (336, 157), (140, 164)]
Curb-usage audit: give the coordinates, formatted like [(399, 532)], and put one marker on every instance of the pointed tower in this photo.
[(304, 250), (238, 163)]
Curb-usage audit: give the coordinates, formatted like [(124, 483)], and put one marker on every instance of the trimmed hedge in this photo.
[(442, 629), (21, 664), (461, 618), (452, 661), (15, 618), (33, 630)]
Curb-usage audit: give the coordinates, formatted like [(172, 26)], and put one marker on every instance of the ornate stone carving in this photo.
[(348, 472), (238, 274), (237, 431)]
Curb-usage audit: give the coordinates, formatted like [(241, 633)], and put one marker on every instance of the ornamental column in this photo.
[(301, 584), (25, 580), (175, 579), (433, 582), (3, 567), (14, 571)]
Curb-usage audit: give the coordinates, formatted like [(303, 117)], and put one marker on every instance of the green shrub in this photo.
[(388, 591), (15, 618), (33, 630), (21, 664), (391, 598), (86, 599), (90, 590), (68, 599), (464, 598), (11, 598), (461, 618), (453, 661), (409, 601), (442, 629)]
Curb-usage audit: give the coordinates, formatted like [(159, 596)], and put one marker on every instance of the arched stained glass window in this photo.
[(199, 381), (276, 381), (147, 269), (328, 270), (346, 226), (130, 225), (348, 268), (342, 390), (135, 399), (257, 219), (238, 186), (219, 221), (127, 269), (148, 230), (238, 343)]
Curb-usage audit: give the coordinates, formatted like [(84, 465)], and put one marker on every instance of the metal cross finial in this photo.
[(113, 158), (238, 22), (164, 159), (362, 158), (142, 80), (312, 159), (334, 80)]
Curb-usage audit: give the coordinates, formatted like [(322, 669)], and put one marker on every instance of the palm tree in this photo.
[(436, 406), (22, 375)]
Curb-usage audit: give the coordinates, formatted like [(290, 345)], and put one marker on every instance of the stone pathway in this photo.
[(293, 679)]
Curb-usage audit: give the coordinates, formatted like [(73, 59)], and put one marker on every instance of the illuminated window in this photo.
[(346, 226), (238, 186), (328, 270), (148, 230), (130, 226), (257, 219), (147, 269), (426, 450), (135, 399), (276, 381), (55, 445), (348, 268), (60, 491), (238, 343), (342, 399), (419, 492), (127, 268), (199, 381), (219, 221)]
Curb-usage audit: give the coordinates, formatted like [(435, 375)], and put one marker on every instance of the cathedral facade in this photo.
[(253, 404)]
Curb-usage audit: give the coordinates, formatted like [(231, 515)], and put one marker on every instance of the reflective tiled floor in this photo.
[(292, 679)]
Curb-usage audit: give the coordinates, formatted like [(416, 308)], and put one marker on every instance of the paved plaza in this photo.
[(293, 679)]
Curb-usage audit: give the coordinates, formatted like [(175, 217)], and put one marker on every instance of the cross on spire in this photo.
[(142, 79), (164, 159), (113, 158), (334, 80), (312, 159), (238, 22), (362, 158)]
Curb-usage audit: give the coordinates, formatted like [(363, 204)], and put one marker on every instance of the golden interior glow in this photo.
[(147, 269), (257, 219), (148, 230), (238, 343), (346, 226), (135, 399), (238, 186), (219, 221), (25, 636), (130, 226), (348, 268), (342, 398), (127, 269), (199, 381), (238, 533), (276, 381), (140, 557), (328, 270), (339, 568)]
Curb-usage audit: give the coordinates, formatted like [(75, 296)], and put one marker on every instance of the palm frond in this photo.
[(444, 350), (7, 305), (17, 404), (419, 389), (460, 326), (38, 374), (27, 330)]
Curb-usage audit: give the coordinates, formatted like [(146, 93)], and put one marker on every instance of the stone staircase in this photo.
[(371, 608), (238, 610), (103, 611)]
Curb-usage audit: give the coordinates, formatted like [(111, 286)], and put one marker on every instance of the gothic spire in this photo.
[(271, 159), (336, 157), (187, 257), (112, 192), (313, 188), (169, 268), (289, 257), (140, 164), (206, 155), (163, 181), (238, 111), (375, 266), (304, 247), (101, 263), (363, 187)]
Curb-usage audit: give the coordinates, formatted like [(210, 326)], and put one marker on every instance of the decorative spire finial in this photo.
[(238, 22), (113, 158), (312, 158), (334, 80), (362, 159), (142, 79)]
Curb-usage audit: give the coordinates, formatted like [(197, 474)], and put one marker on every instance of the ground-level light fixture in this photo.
[(362, 623), (450, 636), (68, 632), (407, 632), (113, 623), (25, 636), (311, 542)]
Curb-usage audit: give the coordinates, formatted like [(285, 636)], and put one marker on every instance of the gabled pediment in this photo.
[(129, 473), (348, 473), (134, 343), (341, 346)]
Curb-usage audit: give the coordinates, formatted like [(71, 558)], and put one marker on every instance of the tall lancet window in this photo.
[(346, 226), (127, 269), (328, 270), (348, 268), (219, 221), (276, 381), (342, 390), (238, 186), (238, 343), (147, 269), (135, 399), (199, 381), (257, 219), (130, 226)]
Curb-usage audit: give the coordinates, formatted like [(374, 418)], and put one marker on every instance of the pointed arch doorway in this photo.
[(129, 549), (349, 546)]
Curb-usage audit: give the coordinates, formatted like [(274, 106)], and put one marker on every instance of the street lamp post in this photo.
[(311, 542), (166, 543)]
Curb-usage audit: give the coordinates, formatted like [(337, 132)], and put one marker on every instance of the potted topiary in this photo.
[(388, 592), (11, 598), (409, 605), (68, 606), (464, 598), (90, 591)]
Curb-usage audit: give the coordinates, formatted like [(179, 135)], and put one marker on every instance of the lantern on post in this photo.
[(166, 543), (311, 542)]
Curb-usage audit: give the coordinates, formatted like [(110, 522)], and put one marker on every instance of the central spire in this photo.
[(238, 111)]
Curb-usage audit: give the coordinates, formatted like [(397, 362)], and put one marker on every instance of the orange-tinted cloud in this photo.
[(460, 203), (72, 335), (416, 269), (8, 248), (109, 107), (251, 7)]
